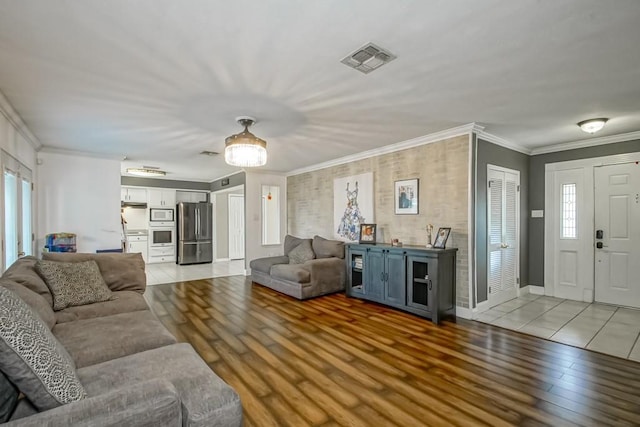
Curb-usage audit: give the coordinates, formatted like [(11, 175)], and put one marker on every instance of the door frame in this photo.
[(552, 209), (515, 172), (233, 196)]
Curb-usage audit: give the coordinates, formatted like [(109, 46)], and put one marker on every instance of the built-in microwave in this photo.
[(161, 215)]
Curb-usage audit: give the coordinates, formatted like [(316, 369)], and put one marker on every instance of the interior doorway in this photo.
[(236, 226), (503, 234), (617, 234)]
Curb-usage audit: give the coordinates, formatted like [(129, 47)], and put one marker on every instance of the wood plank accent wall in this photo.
[(443, 170), (339, 361)]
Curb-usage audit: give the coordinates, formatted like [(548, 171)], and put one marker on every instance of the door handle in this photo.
[(599, 245), (21, 254), (382, 276), (504, 245)]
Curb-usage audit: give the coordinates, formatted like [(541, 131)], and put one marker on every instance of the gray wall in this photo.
[(164, 183), (234, 180), (488, 153), (222, 222), (536, 195)]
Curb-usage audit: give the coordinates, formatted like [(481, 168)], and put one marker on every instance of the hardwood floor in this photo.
[(340, 361)]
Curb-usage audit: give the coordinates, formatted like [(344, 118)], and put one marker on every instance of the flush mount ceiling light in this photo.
[(244, 149), (592, 125), (146, 172)]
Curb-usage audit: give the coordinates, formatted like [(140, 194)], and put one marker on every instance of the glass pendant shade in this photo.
[(245, 149)]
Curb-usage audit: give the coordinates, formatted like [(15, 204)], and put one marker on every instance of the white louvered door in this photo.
[(503, 239)]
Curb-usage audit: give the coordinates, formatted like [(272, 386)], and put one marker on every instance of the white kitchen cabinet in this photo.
[(162, 198), (191, 196), (140, 247), (162, 254), (133, 194)]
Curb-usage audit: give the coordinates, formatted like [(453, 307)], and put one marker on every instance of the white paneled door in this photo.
[(573, 268), (236, 226), (17, 231), (503, 239), (617, 235)]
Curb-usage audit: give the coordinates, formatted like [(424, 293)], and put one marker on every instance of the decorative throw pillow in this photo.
[(33, 359), (73, 283), (301, 253), (8, 398)]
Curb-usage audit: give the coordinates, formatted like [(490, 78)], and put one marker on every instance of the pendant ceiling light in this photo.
[(592, 125), (245, 149)]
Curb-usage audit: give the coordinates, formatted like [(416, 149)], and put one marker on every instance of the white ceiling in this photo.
[(161, 80)]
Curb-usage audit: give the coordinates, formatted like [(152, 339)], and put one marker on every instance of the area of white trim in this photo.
[(485, 136), (14, 118), (533, 290), (464, 312), (79, 153), (591, 142), (222, 259), (415, 142), (481, 308), (247, 272), (470, 226)]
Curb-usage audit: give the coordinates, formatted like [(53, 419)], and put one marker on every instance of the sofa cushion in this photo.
[(73, 283), (8, 398), (292, 272), (325, 248), (290, 243), (24, 272), (121, 272), (301, 253), (206, 399), (264, 264), (120, 302), (33, 300), (97, 340), (32, 358)]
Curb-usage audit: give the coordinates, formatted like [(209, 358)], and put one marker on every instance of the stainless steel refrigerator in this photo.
[(195, 244)]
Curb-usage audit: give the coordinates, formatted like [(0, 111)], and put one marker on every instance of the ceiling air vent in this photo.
[(368, 58), (209, 153)]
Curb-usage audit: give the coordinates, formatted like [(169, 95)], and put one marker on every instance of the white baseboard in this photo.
[(247, 272), (481, 308), (535, 290), (222, 259), (463, 312)]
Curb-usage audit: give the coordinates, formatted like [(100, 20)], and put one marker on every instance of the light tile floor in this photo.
[(167, 272), (599, 327)]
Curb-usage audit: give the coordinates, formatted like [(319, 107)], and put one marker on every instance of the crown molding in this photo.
[(68, 152), (403, 145), (485, 136), (583, 143), (14, 118)]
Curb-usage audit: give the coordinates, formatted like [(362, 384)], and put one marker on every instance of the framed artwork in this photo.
[(367, 233), (441, 237), (406, 197), (352, 205)]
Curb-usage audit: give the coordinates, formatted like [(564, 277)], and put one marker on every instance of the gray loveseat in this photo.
[(308, 268), (132, 369)]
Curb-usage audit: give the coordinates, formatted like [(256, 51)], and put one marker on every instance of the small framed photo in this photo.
[(407, 197), (367, 233), (441, 237)]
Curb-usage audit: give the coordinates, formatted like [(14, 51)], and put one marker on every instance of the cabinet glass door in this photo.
[(395, 285), (419, 282)]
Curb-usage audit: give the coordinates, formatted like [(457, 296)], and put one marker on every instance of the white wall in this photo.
[(253, 212), (79, 195)]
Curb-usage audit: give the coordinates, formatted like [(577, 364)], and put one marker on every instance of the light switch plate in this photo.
[(537, 213)]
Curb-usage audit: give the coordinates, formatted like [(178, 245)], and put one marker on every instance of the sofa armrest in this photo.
[(151, 403), (264, 265), (329, 274)]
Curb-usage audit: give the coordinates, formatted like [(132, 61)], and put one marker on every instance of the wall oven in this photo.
[(162, 237)]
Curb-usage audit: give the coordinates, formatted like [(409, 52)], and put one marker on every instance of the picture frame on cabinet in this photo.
[(442, 237), (367, 233)]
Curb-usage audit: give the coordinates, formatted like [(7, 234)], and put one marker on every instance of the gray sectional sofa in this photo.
[(308, 268), (132, 369)]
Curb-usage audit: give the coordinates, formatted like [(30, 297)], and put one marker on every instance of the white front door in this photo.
[(236, 226), (503, 240), (617, 225), (572, 272)]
